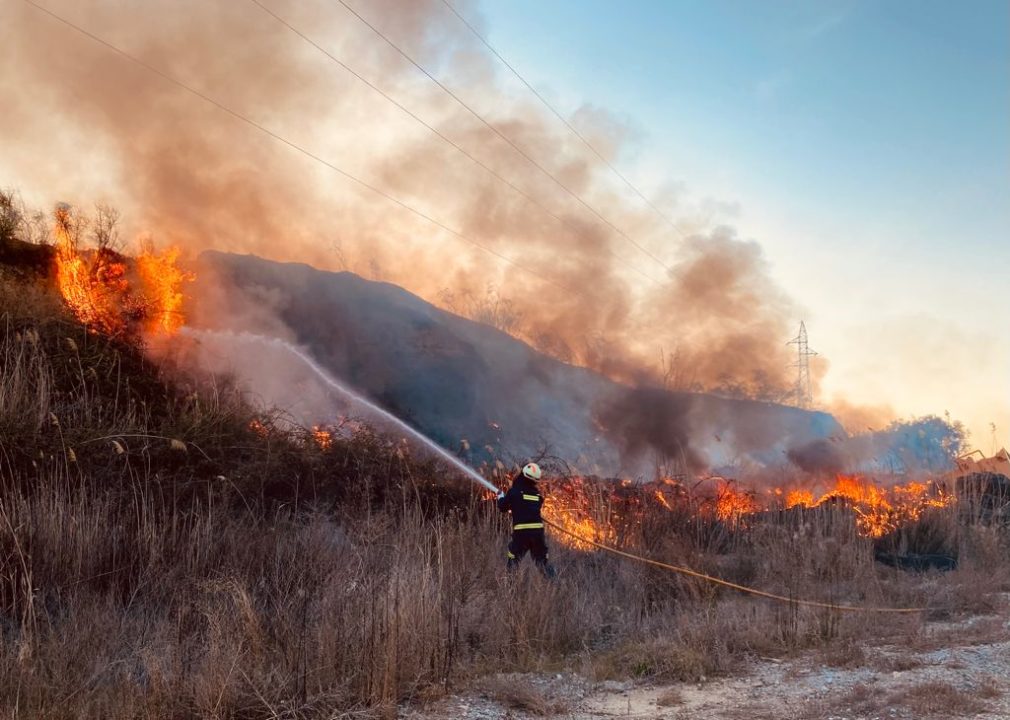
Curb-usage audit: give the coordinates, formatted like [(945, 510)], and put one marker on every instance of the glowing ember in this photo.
[(323, 438), (258, 427)]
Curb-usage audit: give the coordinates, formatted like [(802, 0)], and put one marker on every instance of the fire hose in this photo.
[(726, 583)]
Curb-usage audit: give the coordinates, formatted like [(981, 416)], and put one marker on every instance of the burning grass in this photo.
[(611, 512)]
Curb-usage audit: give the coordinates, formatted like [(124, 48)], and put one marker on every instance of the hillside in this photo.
[(456, 379)]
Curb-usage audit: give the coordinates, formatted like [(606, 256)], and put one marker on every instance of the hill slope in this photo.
[(456, 379)]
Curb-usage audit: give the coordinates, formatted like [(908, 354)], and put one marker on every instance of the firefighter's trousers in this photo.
[(533, 542)]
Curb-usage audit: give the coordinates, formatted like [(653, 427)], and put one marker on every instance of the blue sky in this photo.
[(866, 145)]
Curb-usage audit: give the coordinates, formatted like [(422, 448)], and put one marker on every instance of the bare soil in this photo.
[(953, 669)]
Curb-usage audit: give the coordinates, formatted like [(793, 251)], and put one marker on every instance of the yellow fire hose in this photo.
[(727, 583)]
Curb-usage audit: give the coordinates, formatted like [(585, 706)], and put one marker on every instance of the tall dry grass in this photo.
[(242, 574)]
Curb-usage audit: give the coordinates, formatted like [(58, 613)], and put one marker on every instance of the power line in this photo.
[(560, 117), (529, 198), (504, 137), (308, 153)]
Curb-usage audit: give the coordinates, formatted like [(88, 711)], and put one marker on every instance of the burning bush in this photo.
[(107, 292)]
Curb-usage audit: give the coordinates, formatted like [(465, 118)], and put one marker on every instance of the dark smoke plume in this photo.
[(650, 419), (818, 456)]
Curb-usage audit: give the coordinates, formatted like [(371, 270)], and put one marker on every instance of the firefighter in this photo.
[(524, 501)]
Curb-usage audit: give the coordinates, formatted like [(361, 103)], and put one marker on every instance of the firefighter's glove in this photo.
[(500, 495)]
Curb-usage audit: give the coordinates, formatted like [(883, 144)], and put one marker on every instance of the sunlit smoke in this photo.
[(191, 175)]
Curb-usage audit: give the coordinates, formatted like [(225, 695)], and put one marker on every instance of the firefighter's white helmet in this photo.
[(532, 471)]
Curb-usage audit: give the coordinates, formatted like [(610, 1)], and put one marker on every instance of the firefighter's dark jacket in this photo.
[(524, 500)]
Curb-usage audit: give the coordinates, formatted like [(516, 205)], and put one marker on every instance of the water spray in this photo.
[(329, 380)]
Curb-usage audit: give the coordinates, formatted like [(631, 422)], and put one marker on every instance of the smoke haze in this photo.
[(87, 120)]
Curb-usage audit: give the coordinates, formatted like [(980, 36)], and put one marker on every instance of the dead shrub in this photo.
[(519, 693), (937, 697), (670, 698), (844, 654), (989, 688), (891, 663)]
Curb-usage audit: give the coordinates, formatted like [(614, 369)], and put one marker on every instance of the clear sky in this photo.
[(866, 145)]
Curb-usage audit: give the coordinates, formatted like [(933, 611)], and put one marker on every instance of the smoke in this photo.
[(923, 445), (88, 122), (818, 456), (643, 419), (859, 419)]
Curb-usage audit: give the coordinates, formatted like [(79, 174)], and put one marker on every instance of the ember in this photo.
[(258, 427), (323, 437)]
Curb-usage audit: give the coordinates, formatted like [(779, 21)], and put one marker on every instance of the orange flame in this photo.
[(732, 503), (96, 288), (878, 510), (605, 510), (94, 291), (163, 280), (799, 497), (579, 508)]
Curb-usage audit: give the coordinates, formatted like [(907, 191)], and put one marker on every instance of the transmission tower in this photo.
[(804, 396)]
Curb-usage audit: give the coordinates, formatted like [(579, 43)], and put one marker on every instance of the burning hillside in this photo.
[(468, 385), (460, 372)]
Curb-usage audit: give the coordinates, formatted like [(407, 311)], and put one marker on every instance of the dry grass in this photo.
[(977, 631), (989, 688), (937, 698), (927, 699), (670, 698), (517, 693), (847, 653), (257, 575)]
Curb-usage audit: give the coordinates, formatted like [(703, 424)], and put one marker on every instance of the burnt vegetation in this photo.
[(169, 549)]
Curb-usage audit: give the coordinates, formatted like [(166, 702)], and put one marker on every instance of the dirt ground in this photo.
[(949, 670)]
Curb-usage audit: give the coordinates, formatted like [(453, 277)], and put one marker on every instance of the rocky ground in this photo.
[(954, 669)]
